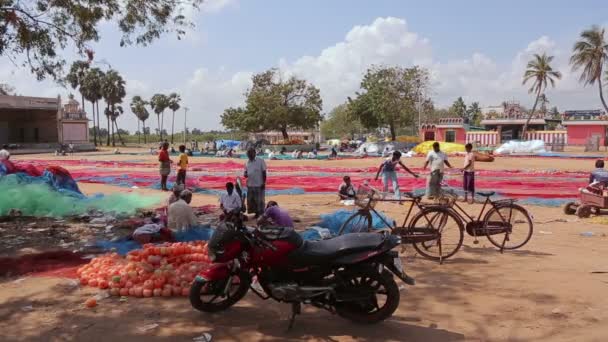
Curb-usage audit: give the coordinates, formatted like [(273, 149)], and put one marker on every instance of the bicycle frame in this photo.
[(414, 202)]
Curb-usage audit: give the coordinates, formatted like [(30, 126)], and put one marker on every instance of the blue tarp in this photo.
[(223, 144), (125, 245)]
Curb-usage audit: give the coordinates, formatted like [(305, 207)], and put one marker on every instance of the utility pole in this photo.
[(185, 126)]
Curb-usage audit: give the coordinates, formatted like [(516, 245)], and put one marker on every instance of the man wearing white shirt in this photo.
[(4, 153), (437, 160), (230, 201), (181, 215), (255, 172)]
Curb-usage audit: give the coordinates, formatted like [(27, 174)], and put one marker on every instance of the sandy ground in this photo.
[(546, 291)]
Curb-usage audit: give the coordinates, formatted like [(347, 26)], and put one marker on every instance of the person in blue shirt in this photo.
[(599, 174), (389, 173)]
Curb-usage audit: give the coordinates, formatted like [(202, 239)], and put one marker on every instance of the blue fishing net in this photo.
[(334, 221), (125, 245)]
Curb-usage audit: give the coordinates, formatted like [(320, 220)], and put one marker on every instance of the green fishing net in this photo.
[(35, 198)]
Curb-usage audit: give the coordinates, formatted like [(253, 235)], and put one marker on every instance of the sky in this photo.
[(474, 49)]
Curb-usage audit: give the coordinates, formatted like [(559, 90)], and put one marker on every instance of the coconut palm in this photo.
[(539, 70), (589, 54), (115, 114), (159, 103), (138, 107), (174, 100), (113, 89), (91, 90), (75, 77)]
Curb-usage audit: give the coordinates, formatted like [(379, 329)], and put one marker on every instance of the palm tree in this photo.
[(75, 77), (91, 90), (540, 71), (474, 113), (113, 89), (159, 103), (138, 107), (115, 114), (589, 54), (174, 100)]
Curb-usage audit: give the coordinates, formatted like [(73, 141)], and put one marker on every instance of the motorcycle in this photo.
[(349, 275)]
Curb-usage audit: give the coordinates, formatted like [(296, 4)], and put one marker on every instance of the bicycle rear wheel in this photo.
[(359, 222), (447, 227), (508, 226)]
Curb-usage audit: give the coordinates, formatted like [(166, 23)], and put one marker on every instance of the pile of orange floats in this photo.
[(153, 271)]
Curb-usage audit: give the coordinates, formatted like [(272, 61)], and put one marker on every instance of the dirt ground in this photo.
[(552, 289)]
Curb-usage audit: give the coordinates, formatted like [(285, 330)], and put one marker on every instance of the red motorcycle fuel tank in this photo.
[(268, 257)]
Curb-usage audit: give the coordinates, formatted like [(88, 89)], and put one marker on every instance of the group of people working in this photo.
[(180, 215), (436, 160)]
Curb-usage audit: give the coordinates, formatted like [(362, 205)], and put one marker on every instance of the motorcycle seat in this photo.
[(324, 251)]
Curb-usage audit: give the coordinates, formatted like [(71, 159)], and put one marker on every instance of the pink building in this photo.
[(586, 125), (446, 130)]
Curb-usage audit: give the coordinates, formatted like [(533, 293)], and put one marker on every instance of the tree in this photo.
[(91, 89), (35, 31), (554, 113), (138, 107), (6, 89), (539, 71), (275, 104), (389, 97), (459, 108), (590, 54), (174, 100), (474, 114), (113, 89), (124, 131), (196, 131), (75, 78), (340, 123), (159, 103)]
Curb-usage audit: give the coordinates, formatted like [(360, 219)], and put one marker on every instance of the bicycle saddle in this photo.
[(487, 194)]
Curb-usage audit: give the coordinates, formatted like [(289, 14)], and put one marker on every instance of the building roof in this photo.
[(512, 122), (28, 102), (585, 123)]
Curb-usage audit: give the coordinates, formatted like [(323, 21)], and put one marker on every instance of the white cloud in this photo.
[(214, 6), (337, 71)]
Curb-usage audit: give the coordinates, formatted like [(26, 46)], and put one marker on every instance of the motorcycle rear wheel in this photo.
[(204, 294), (370, 284)]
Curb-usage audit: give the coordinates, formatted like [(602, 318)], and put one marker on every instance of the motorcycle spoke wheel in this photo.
[(374, 296), (215, 296)]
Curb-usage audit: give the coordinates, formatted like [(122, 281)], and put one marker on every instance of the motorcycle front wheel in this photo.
[(368, 297), (219, 295)]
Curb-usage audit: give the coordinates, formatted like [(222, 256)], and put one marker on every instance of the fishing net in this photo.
[(334, 221), (125, 245), (34, 196), (427, 146)]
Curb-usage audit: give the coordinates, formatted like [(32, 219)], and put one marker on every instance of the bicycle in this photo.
[(502, 218), (433, 242)]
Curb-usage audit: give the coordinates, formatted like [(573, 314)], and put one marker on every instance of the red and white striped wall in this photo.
[(549, 137), (483, 138)]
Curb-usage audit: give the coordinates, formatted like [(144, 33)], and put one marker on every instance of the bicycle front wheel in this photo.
[(508, 227), (444, 230), (360, 222)]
